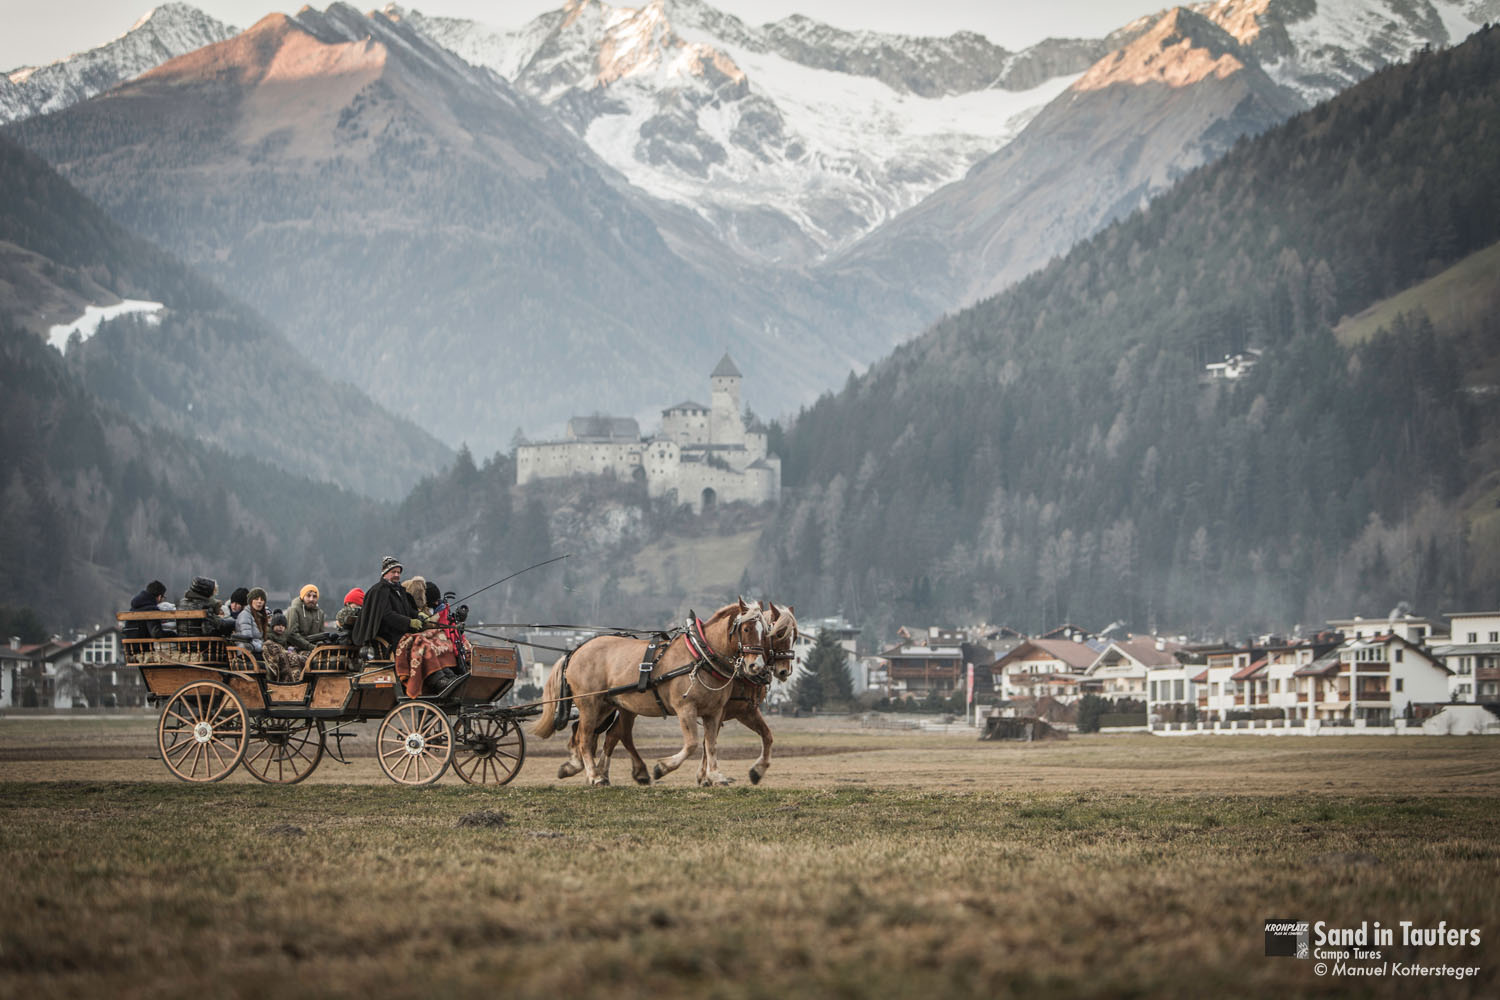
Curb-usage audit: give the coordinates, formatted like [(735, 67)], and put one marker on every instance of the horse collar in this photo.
[(698, 645)]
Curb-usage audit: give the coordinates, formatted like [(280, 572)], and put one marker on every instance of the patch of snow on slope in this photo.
[(88, 324), (1456, 20)]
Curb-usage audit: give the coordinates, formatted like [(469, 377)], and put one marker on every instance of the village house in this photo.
[(1062, 661), (1172, 692), (1215, 685), (915, 668), (1233, 368), (1472, 655), (1122, 670), (703, 454), (85, 671), (1375, 678)]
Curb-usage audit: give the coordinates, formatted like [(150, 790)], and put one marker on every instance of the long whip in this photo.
[(503, 579)]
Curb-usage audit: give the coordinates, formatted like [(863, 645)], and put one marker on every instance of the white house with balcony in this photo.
[(1374, 678), (1472, 654)]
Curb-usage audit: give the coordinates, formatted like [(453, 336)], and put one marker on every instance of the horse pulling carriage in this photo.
[(222, 709)]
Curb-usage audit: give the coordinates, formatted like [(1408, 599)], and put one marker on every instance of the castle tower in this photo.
[(725, 424)]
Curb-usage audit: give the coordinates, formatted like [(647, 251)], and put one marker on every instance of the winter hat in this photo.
[(355, 597), (203, 585), (312, 589), (240, 596), (278, 620), (389, 563), (254, 593), (434, 595)]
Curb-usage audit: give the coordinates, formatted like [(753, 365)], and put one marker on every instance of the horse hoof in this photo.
[(658, 771), (755, 776), (642, 779), (564, 771), (601, 782)]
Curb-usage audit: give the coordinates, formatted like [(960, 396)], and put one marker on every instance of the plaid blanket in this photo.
[(419, 655)]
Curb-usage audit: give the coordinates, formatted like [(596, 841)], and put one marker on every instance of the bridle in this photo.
[(761, 647), (721, 665)]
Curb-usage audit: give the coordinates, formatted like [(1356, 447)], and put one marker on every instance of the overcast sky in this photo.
[(39, 31)]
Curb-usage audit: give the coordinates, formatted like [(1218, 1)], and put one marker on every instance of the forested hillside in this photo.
[(95, 504), (210, 368), (1053, 453)]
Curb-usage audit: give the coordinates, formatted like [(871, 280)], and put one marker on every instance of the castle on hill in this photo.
[(705, 454)]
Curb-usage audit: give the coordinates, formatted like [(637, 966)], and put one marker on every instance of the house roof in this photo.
[(1248, 672), (1142, 649), (686, 404), (1074, 654), (1324, 664), (1459, 649), (1201, 678), (726, 368)]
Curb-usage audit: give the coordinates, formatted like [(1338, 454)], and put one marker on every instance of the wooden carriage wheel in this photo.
[(284, 751), (202, 732), (489, 751), (415, 743)]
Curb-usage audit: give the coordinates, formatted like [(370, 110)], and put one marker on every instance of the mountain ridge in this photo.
[(166, 31)]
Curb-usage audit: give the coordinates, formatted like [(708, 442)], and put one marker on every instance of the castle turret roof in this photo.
[(726, 369)]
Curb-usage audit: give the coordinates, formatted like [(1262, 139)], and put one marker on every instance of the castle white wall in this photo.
[(676, 461)]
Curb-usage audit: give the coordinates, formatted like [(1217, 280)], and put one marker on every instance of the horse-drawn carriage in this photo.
[(221, 709)]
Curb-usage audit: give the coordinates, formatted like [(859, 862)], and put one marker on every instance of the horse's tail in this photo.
[(546, 723)]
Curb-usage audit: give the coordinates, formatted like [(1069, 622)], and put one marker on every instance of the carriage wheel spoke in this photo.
[(186, 722), (227, 710), (181, 749)]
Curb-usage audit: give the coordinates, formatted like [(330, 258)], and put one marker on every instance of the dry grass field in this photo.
[(869, 863)]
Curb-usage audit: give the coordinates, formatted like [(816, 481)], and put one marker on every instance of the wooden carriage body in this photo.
[(205, 680)]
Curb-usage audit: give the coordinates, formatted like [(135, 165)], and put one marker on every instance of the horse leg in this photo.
[(689, 743), (588, 741), (756, 723), (626, 729), (574, 763), (708, 771)]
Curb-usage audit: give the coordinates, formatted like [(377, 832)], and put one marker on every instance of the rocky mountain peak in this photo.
[(162, 33), (1182, 48)]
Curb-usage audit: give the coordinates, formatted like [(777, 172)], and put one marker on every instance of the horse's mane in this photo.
[(723, 612)]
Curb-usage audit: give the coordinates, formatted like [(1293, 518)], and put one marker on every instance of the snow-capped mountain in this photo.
[(1187, 85), (794, 138), (163, 33), (1317, 48)]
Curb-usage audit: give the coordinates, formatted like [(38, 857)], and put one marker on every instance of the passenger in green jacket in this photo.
[(304, 620)]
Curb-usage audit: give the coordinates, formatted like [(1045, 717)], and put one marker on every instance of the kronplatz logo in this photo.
[(1287, 938)]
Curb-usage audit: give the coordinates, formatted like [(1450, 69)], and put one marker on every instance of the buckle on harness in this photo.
[(648, 664)]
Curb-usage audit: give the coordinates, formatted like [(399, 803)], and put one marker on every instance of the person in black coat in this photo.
[(146, 600), (389, 611)]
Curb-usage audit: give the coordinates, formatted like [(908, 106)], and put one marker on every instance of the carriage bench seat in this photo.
[(170, 647)]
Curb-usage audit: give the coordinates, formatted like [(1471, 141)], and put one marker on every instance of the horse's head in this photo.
[(782, 641), (750, 635)]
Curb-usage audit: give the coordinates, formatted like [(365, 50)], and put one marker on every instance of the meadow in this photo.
[(869, 863)]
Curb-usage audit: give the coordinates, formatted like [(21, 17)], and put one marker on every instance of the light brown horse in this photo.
[(736, 636), (744, 705)]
